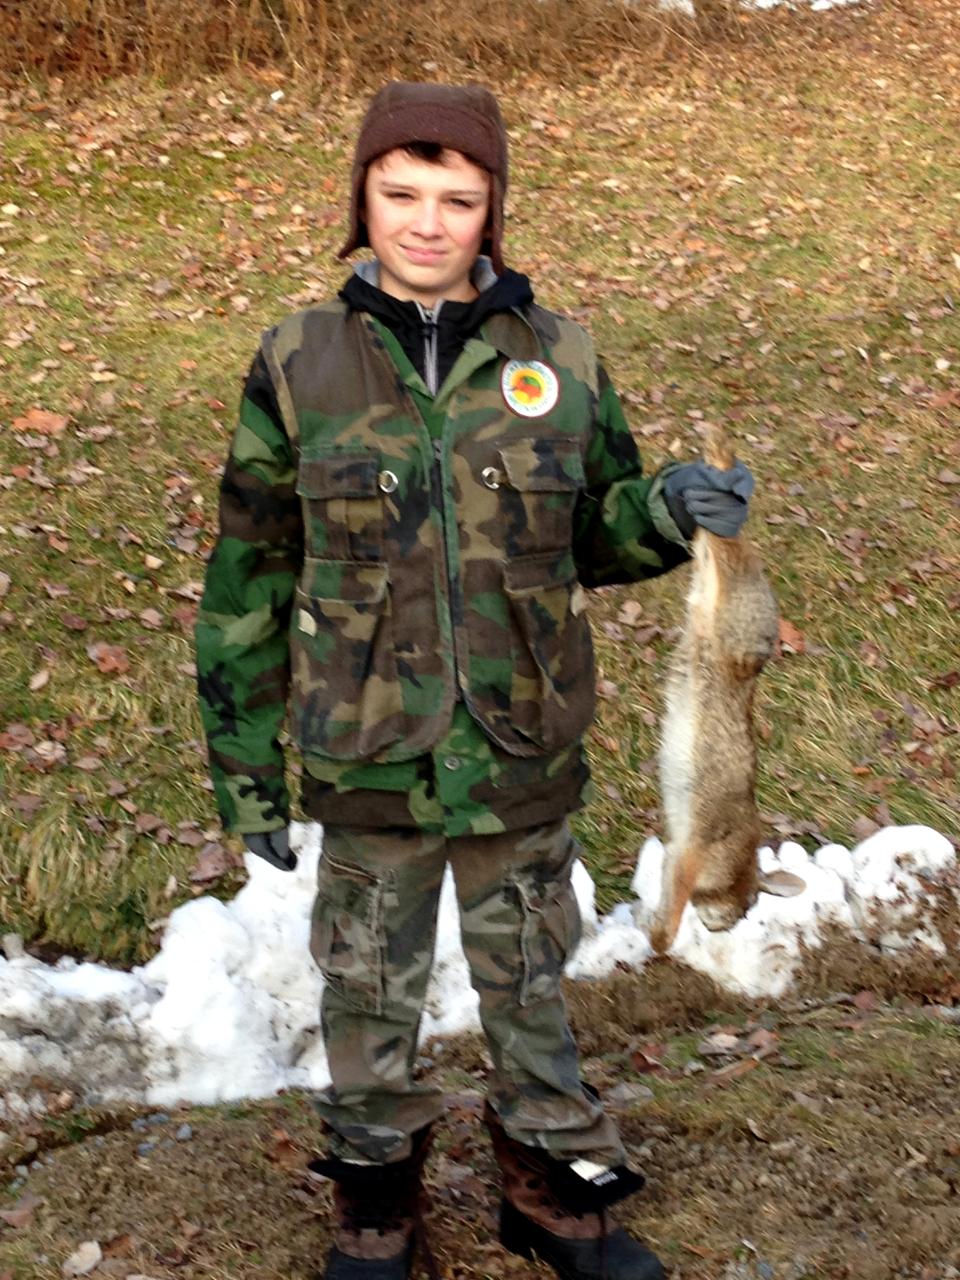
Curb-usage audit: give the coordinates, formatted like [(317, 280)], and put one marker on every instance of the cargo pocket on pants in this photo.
[(345, 933), (549, 934)]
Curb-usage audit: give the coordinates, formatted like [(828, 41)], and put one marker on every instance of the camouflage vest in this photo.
[(437, 569)]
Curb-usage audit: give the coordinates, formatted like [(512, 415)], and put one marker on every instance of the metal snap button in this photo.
[(387, 481), (490, 477), (452, 762)]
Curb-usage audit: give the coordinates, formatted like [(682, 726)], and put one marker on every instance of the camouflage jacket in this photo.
[(407, 571)]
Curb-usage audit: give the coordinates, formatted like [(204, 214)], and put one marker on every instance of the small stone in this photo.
[(144, 1148), (184, 1133), (11, 944), (934, 1188), (765, 1271), (158, 1117), (139, 1125), (627, 1092), (84, 1259)]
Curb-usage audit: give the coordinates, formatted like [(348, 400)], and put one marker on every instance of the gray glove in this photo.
[(698, 494), (274, 847)]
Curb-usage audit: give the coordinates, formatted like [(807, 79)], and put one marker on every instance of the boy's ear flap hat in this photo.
[(462, 117)]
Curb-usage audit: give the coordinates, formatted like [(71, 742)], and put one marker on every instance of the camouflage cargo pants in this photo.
[(374, 924)]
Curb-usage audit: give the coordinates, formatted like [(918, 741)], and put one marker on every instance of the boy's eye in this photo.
[(461, 204)]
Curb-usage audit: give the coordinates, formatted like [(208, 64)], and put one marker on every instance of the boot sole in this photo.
[(513, 1238)]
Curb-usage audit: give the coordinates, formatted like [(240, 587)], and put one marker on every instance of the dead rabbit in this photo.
[(707, 752)]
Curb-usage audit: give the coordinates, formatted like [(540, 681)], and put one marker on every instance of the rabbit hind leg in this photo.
[(679, 877)]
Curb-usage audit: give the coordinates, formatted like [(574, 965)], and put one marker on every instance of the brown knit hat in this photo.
[(463, 117)]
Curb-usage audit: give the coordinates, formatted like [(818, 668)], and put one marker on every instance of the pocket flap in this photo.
[(339, 475), (360, 583), (545, 465), (535, 573)]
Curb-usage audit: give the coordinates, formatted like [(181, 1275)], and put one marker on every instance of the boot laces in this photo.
[(374, 1215)]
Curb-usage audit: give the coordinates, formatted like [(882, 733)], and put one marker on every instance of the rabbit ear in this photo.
[(784, 884)]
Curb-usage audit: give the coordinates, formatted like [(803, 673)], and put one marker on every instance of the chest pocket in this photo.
[(540, 478), (342, 504)]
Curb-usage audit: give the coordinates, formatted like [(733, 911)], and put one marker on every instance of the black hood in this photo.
[(455, 322)]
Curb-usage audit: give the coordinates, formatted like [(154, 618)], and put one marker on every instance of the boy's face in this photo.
[(426, 223)]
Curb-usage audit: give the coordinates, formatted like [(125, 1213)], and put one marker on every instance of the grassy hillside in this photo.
[(762, 238)]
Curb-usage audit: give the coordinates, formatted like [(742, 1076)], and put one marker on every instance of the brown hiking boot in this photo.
[(557, 1211), (378, 1211)]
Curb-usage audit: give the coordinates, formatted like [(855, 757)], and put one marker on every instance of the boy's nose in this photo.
[(427, 220)]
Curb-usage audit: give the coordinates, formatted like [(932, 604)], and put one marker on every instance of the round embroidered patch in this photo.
[(530, 387)]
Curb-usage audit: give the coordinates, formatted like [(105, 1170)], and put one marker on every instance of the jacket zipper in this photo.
[(438, 471), (430, 320)]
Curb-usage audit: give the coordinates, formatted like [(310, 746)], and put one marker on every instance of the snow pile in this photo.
[(228, 1008), (689, 8)]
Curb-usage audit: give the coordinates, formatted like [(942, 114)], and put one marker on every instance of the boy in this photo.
[(428, 472)]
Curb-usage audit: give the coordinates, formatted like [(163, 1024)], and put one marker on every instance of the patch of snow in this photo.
[(816, 6), (229, 1006)]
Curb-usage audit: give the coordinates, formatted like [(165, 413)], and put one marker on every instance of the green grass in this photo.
[(773, 257)]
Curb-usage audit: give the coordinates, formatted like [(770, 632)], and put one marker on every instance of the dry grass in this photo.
[(340, 46), (340, 42)]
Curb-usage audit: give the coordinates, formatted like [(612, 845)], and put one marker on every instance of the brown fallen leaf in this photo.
[(119, 1246), (863, 827), (42, 420), (734, 1071), (22, 1212), (27, 803), (763, 1042), (699, 1251), (284, 1151), (109, 658), (648, 1057), (792, 638), (212, 862), (631, 611)]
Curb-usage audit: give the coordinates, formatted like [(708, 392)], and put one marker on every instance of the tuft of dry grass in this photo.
[(340, 42)]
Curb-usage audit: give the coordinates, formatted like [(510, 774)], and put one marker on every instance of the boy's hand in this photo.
[(698, 494), (274, 847)]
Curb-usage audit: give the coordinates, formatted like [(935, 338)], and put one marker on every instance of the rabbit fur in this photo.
[(707, 751)]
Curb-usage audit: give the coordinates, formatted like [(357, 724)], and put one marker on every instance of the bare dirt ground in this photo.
[(817, 1139)]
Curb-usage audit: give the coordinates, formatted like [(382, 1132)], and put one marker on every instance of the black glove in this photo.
[(274, 847), (698, 494)]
